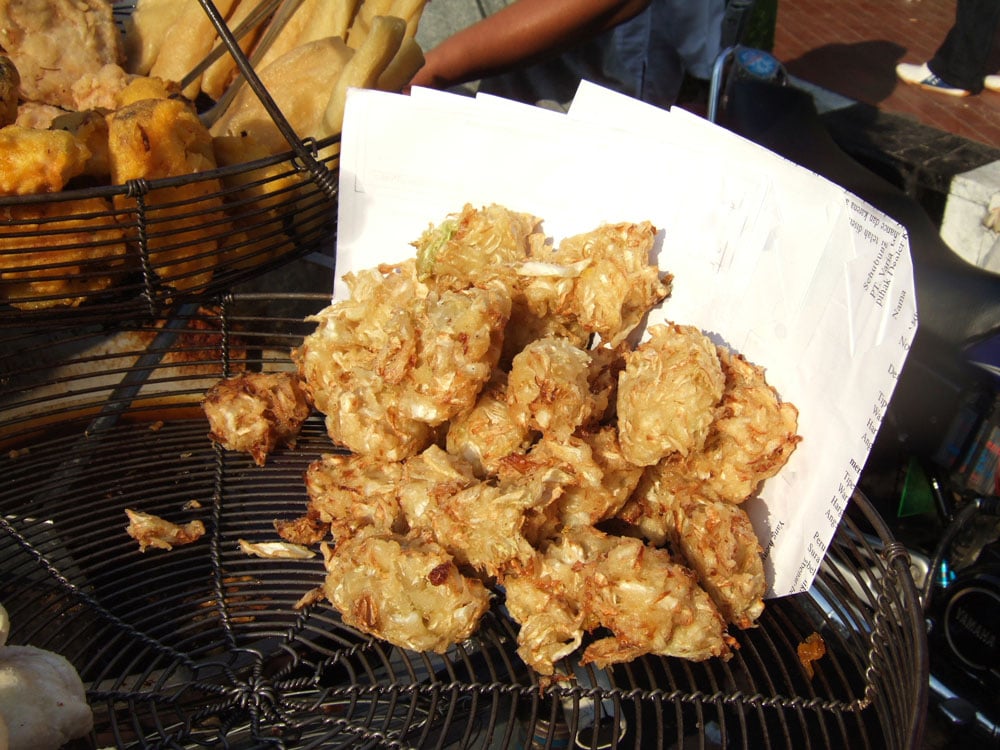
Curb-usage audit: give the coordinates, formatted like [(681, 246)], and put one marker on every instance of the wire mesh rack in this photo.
[(204, 646), (107, 253)]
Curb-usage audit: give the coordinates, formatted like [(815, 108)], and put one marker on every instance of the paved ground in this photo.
[(847, 46), (852, 47)]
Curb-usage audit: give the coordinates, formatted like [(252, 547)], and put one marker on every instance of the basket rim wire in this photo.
[(117, 296), (873, 625)]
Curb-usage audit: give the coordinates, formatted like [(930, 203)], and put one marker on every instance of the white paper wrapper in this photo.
[(768, 258)]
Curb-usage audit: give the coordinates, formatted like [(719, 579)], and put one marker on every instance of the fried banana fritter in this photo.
[(255, 412), (152, 139), (39, 161), (59, 254), (667, 394)]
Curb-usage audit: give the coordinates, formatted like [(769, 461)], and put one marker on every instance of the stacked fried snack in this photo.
[(83, 105), (505, 433)]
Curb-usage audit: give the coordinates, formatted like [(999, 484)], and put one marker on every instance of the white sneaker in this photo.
[(992, 82), (921, 75)]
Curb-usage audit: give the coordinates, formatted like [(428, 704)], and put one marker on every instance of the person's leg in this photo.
[(961, 59)]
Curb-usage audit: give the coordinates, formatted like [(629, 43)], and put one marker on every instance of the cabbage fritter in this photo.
[(667, 394), (397, 360), (715, 538), (255, 412), (751, 437), (404, 589), (590, 580)]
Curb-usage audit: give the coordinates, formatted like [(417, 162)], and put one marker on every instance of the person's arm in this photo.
[(518, 34)]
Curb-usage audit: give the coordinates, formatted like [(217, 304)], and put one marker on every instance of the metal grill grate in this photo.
[(201, 646)]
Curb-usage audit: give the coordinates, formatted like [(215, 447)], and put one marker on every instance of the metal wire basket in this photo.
[(204, 646), (113, 252)]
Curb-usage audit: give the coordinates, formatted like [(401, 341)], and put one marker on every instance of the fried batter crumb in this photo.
[(813, 648), (153, 531)]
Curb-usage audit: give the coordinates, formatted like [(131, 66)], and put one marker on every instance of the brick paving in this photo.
[(851, 47)]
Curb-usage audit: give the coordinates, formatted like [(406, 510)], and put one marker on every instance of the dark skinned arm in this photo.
[(519, 34)]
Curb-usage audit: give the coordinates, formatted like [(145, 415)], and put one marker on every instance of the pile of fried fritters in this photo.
[(507, 437)]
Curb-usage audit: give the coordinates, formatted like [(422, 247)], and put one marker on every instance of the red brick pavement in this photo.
[(851, 47)]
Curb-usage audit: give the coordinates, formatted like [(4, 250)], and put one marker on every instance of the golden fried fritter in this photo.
[(619, 476), (352, 492), (606, 365), (428, 480), (719, 543), (404, 589), (255, 412), (667, 394), (649, 509), (160, 138), (617, 284), (547, 600), (751, 437), (590, 580), (586, 495), (548, 387), (91, 129), (486, 433), (715, 538), (460, 337), (525, 327), (480, 524), (39, 161), (353, 364), (397, 360), (59, 254), (474, 246), (651, 604)]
